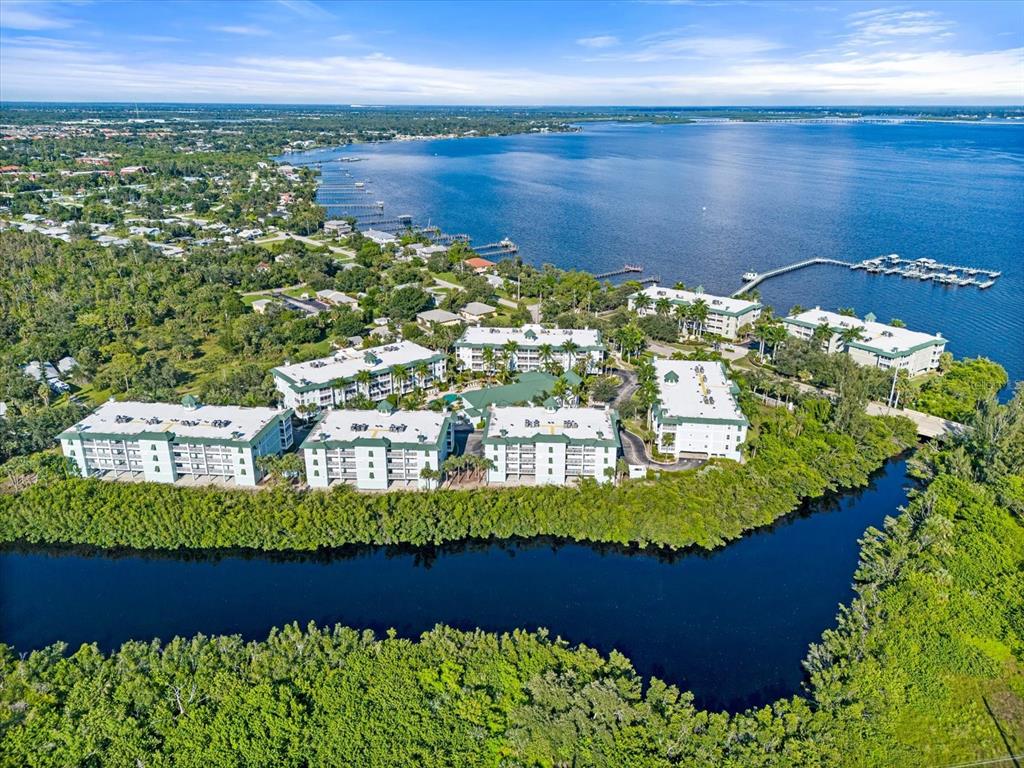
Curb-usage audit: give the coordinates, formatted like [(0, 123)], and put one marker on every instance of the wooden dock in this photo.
[(627, 269), (751, 284)]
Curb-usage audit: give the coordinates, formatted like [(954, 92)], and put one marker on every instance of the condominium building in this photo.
[(529, 348), (375, 449), (877, 345), (697, 412), (726, 316), (165, 442), (545, 446), (332, 381)]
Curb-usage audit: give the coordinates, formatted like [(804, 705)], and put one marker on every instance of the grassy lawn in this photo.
[(451, 277)]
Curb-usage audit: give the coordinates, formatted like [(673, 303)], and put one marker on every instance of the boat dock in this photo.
[(627, 269), (929, 270), (500, 248), (893, 264), (377, 206)]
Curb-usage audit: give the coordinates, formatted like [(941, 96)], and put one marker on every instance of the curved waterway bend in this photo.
[(731, 625)]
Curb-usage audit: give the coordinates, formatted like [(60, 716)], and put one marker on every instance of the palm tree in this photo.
[(822, 335), (775, 335), (399, 375), (422, 371), (641, 302), (488, 359), (509, 350), (560, 389), (679, 286), (761, 334), (897, 323), (699, 313), (851, 334), (581, 392), (570, 348), (546, 353), (430, 476), (663, 306), (682, 313)]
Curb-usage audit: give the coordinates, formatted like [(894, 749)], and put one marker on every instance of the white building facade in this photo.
[(544, 446), (164, 442), (879, 345), (332, 381), (373, 450), (535, 348), (726, 316), (697, 412)]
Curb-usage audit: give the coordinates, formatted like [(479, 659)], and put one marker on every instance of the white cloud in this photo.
[(33, 16), (669, 46), (598, 41), (157, 39), (237, 29), (36, 70), (882, 26), (306, 9)]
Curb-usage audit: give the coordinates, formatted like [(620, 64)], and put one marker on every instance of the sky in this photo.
[(659, 52)]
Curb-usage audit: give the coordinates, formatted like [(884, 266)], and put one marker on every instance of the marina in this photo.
[(924, 269), (929, 269)]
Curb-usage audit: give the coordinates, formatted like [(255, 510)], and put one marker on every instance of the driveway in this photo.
[(629, 386)]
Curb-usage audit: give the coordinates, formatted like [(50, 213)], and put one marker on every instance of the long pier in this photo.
[(496, 249), (754, 282), (378, 206), (627, 269)]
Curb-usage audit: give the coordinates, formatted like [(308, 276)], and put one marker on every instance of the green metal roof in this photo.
[(530, 386)]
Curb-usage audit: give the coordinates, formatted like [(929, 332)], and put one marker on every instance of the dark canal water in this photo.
[(731, 625)]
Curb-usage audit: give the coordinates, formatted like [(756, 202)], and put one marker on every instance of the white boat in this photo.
[(748, 276)]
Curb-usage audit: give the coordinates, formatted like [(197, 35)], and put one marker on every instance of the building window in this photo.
[(243, 471), (371, 475), (316, 463), (316, 473)]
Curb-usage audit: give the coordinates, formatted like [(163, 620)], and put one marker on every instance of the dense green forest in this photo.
[(924, 668), (794, 456), (952, 395)]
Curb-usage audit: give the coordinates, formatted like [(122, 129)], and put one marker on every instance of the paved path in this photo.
[(275, 290), (727, 350), (633, 448), (308, 241), (629, 386), (927, 425), (534, 309)]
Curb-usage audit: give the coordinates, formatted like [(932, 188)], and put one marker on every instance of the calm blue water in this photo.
[(732, 625), (705, 203)]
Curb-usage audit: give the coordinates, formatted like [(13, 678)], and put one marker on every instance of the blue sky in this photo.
[(671, 52)]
